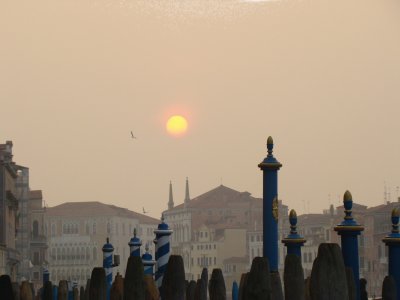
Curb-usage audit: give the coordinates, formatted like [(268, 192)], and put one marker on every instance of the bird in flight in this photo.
[(145, 212), (134, 137)]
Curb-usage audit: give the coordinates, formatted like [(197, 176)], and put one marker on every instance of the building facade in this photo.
[(77, 231)]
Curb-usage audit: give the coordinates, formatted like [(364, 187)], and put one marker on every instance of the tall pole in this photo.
[(163, 250), (108, 250), (393, 242), (349, 231), (270, 167), (134, 245)]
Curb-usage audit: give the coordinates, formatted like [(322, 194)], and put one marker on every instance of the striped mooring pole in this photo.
[(270, 166), (393, 243), (108, 250), (163, 250), (293, 241), (348, 230), (134, 245), (148, 262)]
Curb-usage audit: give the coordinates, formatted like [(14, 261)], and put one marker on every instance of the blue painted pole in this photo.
[(235, 291), (393, 242), (46, 275), (270, 167), (348, 231), (148, 262), (108, 250), (134, 245), (293, 241), (163, 250)]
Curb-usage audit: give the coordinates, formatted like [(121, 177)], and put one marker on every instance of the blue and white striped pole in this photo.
[(134, 245), (148, 262), (108, 250), (163, 250)]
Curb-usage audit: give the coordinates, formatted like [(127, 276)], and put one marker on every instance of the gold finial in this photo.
[(347, 197), (292, 214), (270, 141), (395, 212)]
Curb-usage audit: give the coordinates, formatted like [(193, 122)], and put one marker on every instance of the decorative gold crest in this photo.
[(275, 211)]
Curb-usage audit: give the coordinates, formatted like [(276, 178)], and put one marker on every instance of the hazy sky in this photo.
[(321, 76)]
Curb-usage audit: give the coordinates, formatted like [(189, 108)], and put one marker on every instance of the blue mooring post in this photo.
[(348, 231), (270, 167), (46, 275), (148, 262), (293, 241), (163, 250), (134, 245), (393, 242), (235, 291), (108, 250)]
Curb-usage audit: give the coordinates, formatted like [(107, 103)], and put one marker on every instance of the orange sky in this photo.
[(321, 77)]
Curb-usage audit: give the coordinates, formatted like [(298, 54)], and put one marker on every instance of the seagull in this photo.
[(145, 212), (134, 137)]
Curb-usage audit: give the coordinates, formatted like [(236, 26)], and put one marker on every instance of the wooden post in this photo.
[(363, 289), (204, 284), (134, 286), (191, 290), (389, 288), (98, 285), (276, 286), (6, 289), (15, 288), (47, 291), (173, 284), (25, 291), (151, 290), (117, 288), (293, 278), (63, 290), (217, 289), (258, 282), (87, 289)]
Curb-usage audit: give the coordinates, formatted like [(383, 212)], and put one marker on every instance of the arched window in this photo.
[(82, 253), (87, 228), (35, 228), (53, 229), (87, 253), (94, 228)]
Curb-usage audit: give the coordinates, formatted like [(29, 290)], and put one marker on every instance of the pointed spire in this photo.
[(171, 197), (187, 197)]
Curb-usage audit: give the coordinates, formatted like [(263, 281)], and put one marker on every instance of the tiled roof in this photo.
[(218, 198), (95, 208)]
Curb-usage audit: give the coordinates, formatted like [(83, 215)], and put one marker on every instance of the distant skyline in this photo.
[(320, 77)]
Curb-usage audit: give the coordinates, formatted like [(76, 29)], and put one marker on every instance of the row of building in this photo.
[(221, 228)]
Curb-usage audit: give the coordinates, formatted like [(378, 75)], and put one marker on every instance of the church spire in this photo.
[(187, 197), (171, 197)]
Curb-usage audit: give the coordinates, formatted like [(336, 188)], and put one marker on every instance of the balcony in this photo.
[(38, 241)]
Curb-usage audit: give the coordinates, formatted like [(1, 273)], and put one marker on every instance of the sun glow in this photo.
[(177, 125)]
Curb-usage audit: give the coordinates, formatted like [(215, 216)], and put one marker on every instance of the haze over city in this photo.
[(321, 77)]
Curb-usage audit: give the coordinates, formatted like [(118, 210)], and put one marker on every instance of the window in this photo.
[(53, 229), (87, 228), (108, 228), (94, 253), (36, 258), (191, 262), (215, 260), (94, 228)]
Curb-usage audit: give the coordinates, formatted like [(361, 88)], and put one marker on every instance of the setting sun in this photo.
[(177, 125)]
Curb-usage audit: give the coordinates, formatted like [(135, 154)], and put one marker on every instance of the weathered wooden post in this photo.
[(46, 275), (6, 289), (363, 289), (270, 167), (243, 285), (151, 290), (293, 278), (47, 292), (204, 284), (163, 250), (348, 231), (328, 275), (117, 288), (26, 291), (393, 242), (82, 293), (389, 291), (98, 284), (173, 284), (258, 283), (63, 290), (134, 244), (235, 291), (148, 262), (134, 286), (191, 290), (217, 289), (293, 241)]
